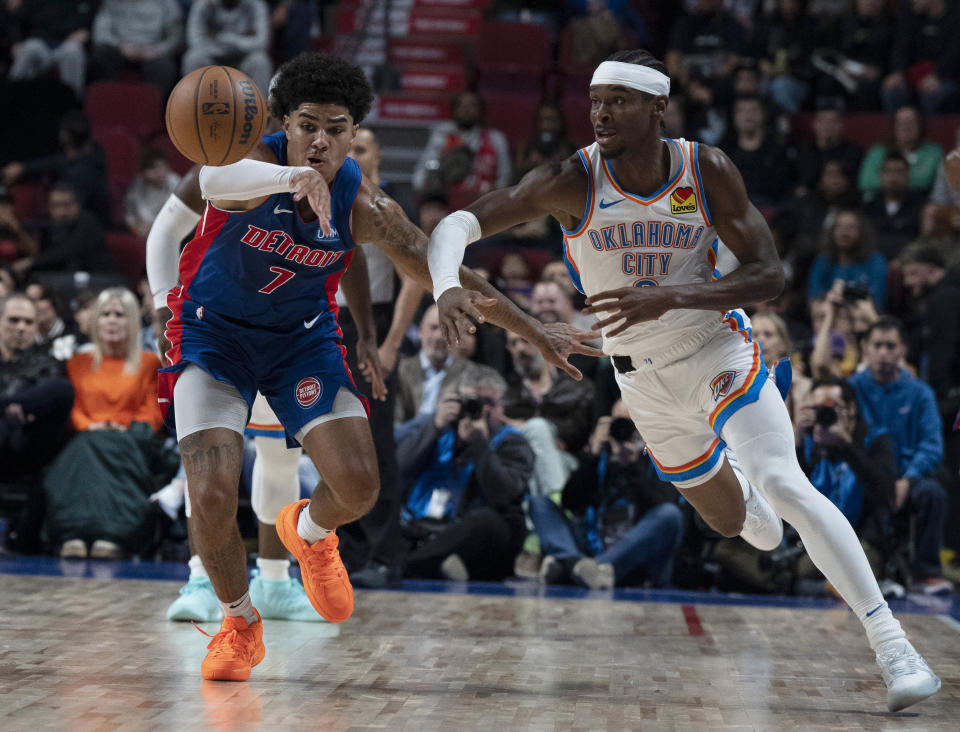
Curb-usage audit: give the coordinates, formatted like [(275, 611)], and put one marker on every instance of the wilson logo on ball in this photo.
[(308, 391), (250, 109)]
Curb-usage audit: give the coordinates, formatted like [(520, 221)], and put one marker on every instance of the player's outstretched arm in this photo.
[(741, 228), (177, 219), (557, 189), (379, 219), (356, 288)]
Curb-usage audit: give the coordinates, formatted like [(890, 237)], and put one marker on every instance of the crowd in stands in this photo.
[(506, 466)]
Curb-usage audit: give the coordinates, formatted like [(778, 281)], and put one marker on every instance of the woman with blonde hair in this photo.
[(97, 488), (770, 330)]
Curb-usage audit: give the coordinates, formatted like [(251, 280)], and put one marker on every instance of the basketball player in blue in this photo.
[(643, 218), (255, 310)]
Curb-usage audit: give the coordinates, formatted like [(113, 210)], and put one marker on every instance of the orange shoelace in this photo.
[(227, 640)]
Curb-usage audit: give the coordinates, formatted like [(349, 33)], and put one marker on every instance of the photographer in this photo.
[(466, 472), (850, 462), (840, 321), (849, 253), (626, 526)]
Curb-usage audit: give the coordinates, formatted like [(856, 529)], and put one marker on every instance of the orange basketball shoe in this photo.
[(324, 576), (236, 649)]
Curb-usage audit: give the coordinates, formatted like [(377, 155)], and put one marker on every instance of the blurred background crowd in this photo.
[(838, 114)]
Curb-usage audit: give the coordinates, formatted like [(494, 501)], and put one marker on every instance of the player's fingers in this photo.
[(618, 330), (572, 371), (465, 324), (601, 306), (606, 295), (588, 350), (448, 326)]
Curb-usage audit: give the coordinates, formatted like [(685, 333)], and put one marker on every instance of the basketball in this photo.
[(215, 115)]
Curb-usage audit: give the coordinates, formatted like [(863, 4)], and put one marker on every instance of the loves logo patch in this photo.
[(308, 391), (683, 201), (722, 383)]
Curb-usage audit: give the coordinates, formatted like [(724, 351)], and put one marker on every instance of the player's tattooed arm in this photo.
[(379, 219)]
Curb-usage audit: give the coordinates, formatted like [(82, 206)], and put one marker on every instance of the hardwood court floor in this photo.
[(88, 654)]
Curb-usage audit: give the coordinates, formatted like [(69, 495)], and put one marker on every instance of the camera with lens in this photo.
[(472, 407), (622, 429), (825, 415), (854, 291)]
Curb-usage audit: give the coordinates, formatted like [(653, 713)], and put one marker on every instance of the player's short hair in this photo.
[(639, 57), (322, 79)]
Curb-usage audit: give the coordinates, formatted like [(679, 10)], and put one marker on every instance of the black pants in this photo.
[(107, 63), (366, 538), (486, 541)]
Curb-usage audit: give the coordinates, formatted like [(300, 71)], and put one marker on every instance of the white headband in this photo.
[(636, 77)]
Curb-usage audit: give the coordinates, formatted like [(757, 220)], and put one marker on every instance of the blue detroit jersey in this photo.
[(267, 266)]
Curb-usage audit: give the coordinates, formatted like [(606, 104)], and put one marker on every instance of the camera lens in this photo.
[(622, 429), (825, 415), (472, 408)]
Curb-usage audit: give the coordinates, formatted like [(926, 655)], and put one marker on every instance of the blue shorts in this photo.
[(299, 371)]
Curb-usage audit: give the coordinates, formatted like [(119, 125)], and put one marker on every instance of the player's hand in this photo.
[(458, 307), (560, 340), (630, 304), (388, 358), (369, 362), (952, 169), (310, 184)]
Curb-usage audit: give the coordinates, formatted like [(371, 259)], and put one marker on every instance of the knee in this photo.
[(729, 526), (928, 493), (670, 518), (212, 500)]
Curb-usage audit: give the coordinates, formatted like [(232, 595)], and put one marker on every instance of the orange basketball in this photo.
[(215, 115)]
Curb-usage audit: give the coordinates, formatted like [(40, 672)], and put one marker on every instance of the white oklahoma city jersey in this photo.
[(628, 240)]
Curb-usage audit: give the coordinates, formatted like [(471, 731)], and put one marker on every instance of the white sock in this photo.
[(308, 530), (240, 608), (197, 570), (273, 569), (880, 625)]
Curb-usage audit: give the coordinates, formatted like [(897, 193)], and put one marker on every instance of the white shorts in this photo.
[(680, 409), (263, 421)]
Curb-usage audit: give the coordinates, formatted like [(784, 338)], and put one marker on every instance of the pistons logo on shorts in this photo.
[(722, 384), (308, 391)]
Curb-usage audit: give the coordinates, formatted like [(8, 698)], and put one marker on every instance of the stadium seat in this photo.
[(179, 164), (123, 153), (576, 114), (944, 129), (29, 200), (512, 57), (136, 106), (866, 128), (511, 113)]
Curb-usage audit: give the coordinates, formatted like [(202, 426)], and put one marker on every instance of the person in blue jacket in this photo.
[(850, 254), (891, 398)]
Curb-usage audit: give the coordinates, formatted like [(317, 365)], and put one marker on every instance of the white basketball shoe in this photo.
[(762, 528), (907, 676)]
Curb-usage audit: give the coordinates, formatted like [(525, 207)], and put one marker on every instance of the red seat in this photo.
[(29, 200), (136, 106), (866, 128), (129, 254), (123, 153), (513, 56), (179, 164), (945, 129), (511, 113)]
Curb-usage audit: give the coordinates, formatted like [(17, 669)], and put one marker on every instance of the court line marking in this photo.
[(952, 622)]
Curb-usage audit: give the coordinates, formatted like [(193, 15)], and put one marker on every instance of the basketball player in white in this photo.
[(642, 219)]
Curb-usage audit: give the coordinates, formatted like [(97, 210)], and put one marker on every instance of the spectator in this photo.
[(675, 118), (550, 295), (35, 396), (784, 53), (133, 34), (851, 462), (891, 398), (80, 162), (554, 411), (834, 191), (849, 254), (894, 210), (97, 488), (597, 34), (763, 163), (292, 23), (925, 58), (827, 144), (906, 138), (51, 32), (770, 331), (231, 32), (462, 156), (73, 240), (863, 43), (548, 142), (15, 242), (421, 378), (835, 346), (468, 471), (148, 191), (627, 526), (943, 210), (934, 331), (433, 207), (514, 279)]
